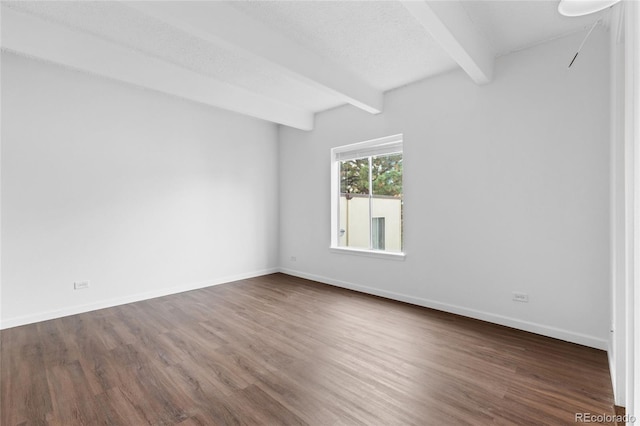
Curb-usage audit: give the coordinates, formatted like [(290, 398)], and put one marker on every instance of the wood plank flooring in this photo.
[(282, 350)]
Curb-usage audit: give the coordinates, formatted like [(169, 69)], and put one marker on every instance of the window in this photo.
[(367, 197)]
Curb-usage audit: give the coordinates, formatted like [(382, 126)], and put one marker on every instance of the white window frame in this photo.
[(386, 145)]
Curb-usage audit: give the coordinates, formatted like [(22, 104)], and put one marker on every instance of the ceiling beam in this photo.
[(35, 37), (449, 24), (226, 26)]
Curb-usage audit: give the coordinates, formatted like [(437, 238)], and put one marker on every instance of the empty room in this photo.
[(320, 212)]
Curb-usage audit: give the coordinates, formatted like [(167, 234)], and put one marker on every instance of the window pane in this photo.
[(354, 221), (354, 204), (386, 223), (386, 202), (387, 175), (354, 176)]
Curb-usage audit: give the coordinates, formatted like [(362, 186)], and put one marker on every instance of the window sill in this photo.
[(368, 253)]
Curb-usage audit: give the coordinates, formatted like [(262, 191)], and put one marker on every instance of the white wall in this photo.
[(617, 344), (506, 189), (632, 205), (140, 193)]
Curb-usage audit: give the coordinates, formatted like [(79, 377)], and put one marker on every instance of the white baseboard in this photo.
[(557, 333), (73, 310), (544, 330)]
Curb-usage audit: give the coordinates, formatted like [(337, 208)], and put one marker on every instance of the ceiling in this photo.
[(281, 61)]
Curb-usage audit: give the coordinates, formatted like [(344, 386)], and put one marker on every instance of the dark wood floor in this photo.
[(282, 350)]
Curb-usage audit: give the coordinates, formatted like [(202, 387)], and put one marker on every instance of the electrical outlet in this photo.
[(521, 297), (293, 258), (79, 285)]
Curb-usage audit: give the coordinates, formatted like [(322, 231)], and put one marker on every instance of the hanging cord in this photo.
[(584, 41)]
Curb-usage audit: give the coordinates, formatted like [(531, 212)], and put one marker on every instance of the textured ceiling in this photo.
[(515, 25), (126, 26), (379, 40)]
